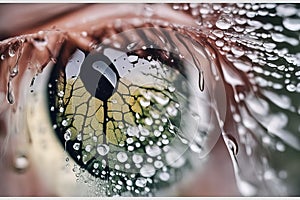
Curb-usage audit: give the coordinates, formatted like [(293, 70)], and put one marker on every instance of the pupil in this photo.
[(99, 76)]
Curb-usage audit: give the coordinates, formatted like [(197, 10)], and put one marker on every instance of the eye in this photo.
[(152, 93), (130, 114)]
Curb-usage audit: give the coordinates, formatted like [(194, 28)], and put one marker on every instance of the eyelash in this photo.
[(224, 57)]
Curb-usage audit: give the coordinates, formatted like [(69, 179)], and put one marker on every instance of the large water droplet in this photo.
[(291, 24)]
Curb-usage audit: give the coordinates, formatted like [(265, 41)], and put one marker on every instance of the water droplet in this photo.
[(280, 146), (102, 149), (11, 51), (238, 52), (129, 182), (2, 56), (132, 131), (161, 100), (158, 164), (141, 182), (137, 159), (67, 135), (164, 176), (291, 87), (10, 94), (149, 121), (231, 143), (144, 103), (223, 23), (220, 43), (291, 24), (286, 10), (148, 11), (84, 34), (157, 133), (218, 33), (147, 170), (174, 159), (201, 80), (144, 131), (122, 157), (153, 151), (131, 45), (88, 148), (133, 58), (76, 146), (21, 163), (60, 94)]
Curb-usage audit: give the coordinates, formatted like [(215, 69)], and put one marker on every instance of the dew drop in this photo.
[(286, 10), (10, 94), (84, 34), (291, 24), (219, 43), (137, 159), (76, 146), (141, 182), (164, 176), (153, 151), (144, 103), (102, 149), (147, 170), (133, 58), (131, 45), (122, 157), (88, 148), (201, 80), (291, 87), (67, 135), (223, 24), (11, 51)]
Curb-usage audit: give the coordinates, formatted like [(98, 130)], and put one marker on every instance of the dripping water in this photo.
[(10, 94)]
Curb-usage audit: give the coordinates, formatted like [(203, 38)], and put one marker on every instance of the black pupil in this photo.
[(99, 76)]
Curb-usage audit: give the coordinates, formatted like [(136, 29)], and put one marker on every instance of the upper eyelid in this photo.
[(95, 16), (85, 42), (69, 35)]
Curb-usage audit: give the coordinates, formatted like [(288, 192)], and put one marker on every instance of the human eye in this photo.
[(130, 105)]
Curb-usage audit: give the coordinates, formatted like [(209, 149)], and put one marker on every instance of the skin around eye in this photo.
[(254, 59)]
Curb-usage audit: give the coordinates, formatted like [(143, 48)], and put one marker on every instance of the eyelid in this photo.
[(93, 17)]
